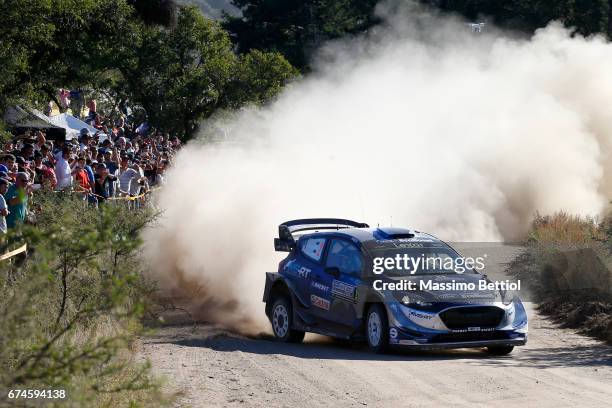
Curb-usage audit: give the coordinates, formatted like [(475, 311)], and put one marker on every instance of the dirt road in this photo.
[(214, 369)]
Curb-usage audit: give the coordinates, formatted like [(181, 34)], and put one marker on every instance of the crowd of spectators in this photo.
[(120, 161)]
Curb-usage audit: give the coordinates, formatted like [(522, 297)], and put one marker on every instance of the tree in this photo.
[(48, 44), (294, 27), (183, 74), (257, 77), (155, 11), (174, 63)]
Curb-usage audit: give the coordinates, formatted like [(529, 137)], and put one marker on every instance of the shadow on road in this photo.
[(321, 349), (549, 357), (325, 348)]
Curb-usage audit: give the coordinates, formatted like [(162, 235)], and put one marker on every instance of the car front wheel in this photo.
[(282, 320), (377, 329)]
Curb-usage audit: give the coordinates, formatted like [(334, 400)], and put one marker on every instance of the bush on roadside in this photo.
[(567, 266), (70, 312)]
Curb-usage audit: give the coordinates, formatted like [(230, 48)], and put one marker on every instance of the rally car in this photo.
[(326, 285)]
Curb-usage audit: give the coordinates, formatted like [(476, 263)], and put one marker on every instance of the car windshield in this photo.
[(395, 258)]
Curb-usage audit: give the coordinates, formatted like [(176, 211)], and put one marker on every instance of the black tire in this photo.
[(281, 319), (500, 350), (377, 329)]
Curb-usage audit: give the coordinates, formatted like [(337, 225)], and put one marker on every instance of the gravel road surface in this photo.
[(213, 368)]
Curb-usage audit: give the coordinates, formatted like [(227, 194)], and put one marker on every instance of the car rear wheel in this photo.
[(282, 320), (500, 350), (377, 329)]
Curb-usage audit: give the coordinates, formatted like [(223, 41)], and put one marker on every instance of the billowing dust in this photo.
[(421, 124)]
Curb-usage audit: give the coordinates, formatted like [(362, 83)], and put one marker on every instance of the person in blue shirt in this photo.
[(90, 173), (112, 166), (17, 200)]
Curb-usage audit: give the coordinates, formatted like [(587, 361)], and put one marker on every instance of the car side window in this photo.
[(313, 248), (344, 256)]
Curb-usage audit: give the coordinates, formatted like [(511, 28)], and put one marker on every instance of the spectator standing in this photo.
[(80, 176), (90, 173), (127, 177), (77, 101), (8, 163), (49, 181), (112, 165), (64, 97), (45, 150), (85, 137), (160, 178), (27, 151), (17, 200), (39, 168), (103, 180), (62, 169)]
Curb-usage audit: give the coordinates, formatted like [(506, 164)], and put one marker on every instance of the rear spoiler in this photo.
[(286, 242)]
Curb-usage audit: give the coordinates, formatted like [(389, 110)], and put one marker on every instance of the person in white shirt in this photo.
[(63, 173), (127, 177)]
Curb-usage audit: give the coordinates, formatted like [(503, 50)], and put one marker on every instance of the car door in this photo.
[(308, 261), (333, 291)]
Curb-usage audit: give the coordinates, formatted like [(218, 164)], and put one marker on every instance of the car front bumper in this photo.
[(410, 328), (411, 344)]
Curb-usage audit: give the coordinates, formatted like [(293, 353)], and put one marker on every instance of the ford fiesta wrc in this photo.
[(329, 284)]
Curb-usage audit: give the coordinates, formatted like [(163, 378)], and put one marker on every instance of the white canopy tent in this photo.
[(72, 125)]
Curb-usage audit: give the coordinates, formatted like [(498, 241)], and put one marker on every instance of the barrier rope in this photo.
[(80, 189), (24, 247)]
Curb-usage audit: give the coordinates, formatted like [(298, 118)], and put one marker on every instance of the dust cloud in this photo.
[(421, 123)]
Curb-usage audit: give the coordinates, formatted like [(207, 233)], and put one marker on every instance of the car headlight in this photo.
[(406, 300)]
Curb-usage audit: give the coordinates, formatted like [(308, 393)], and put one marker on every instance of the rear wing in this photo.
[(286, 242)]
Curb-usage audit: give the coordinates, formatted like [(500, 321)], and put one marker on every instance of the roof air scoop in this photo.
[(394, 233)]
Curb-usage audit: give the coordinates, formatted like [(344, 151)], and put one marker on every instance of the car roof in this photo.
[(378, 234)]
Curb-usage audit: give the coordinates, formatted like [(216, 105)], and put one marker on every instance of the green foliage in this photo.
[(295, 28), (183, 74), (258, 77), (49, 44), (178, 75), (71, 310), (179, 72)]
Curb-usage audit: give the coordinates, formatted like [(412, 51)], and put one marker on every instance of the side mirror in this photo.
[(333, 271)]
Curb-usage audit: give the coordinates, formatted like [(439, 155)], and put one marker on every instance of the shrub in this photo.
[(71, 311)]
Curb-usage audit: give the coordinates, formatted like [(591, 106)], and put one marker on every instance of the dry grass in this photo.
[(551, 240), (563, 228)]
